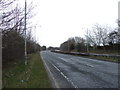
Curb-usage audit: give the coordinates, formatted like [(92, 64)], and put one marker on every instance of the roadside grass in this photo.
[(32, 75), (103, 58), (114, 52)]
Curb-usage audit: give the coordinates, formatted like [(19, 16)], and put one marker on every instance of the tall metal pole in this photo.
[(25, 35), (87, 42), (68, 45)]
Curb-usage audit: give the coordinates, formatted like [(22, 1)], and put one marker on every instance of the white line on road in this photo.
[(62, 58), (89, 65), (56, 84), (84, 63), (51, 75), (90, 59), (64, 76), (74, 59)]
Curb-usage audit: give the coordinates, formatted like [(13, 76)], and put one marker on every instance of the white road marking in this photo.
[(90, 65), (65, 76), (84, 63), (63, 73), (55, 82), (90, 59), (62, 58)]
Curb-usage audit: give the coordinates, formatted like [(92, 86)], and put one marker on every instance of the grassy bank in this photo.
[(103, 58), (32, 75), (111, 59)]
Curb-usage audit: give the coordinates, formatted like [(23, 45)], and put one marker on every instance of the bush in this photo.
[(13, 46)]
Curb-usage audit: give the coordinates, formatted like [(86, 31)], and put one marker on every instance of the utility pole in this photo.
[(87, 42), (25, 35), (118, 22), (68, 45), (118, 30), (35, 38)]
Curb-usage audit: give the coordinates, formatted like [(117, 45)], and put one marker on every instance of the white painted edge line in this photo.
[(51, 75), (65, 76)]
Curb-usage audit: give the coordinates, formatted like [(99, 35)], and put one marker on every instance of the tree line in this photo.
[(99, 38), (13, 31)]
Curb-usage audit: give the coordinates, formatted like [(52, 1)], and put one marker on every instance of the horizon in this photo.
[(60, 20)]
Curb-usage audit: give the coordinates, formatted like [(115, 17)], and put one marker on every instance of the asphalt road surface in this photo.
[(68, 71)]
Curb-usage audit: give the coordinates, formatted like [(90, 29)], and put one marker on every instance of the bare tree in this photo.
[(114, 37), (5, 3), (74, 44), (13, 18), (90, 38), (98, 35), (79, 40), (118, 30), (12, 27)]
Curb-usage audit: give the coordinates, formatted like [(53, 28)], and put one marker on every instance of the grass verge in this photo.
[(111, 59), (104, 58), (32, 75)]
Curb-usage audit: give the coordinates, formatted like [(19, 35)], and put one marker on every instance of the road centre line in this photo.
[(63, 59), (84, 63), (90, 59), (74, 59), (89, 65)]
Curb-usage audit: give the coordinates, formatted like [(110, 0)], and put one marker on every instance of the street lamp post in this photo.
[(87, 42), (25, 35), (68, 45)]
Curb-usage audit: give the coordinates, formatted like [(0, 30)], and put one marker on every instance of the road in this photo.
[(70, 71)]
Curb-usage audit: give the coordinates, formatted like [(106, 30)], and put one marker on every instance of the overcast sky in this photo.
[(61, 19)]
